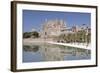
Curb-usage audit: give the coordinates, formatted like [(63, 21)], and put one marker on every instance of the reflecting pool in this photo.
[(49, 52)]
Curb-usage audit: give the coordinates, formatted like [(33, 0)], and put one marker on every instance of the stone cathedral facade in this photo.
[(53, 28)]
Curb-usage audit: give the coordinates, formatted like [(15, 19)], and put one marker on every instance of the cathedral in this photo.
[(52, 28)]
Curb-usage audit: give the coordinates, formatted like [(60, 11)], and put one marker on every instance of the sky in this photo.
[(33, 19)]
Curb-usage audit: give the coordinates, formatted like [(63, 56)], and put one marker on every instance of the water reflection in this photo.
[(34, 48), (47, 52)]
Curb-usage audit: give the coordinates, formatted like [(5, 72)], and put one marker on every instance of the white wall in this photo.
[(5, 37)]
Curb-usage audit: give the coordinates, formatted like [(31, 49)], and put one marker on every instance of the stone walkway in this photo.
[(78, 45)]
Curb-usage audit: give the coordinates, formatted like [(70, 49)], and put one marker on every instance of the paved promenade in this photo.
[(78, 45), (39, 41)]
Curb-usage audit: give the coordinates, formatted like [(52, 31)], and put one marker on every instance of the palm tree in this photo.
[(83, 32)]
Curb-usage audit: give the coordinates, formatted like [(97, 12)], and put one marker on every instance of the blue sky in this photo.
[(34, 19)]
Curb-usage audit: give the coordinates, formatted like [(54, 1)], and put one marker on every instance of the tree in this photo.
[(88, 38), (26, 35), (35, 34)]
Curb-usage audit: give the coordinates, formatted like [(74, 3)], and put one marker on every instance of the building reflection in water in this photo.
[(56, 52)]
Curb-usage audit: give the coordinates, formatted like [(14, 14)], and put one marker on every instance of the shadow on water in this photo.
[(48, 52)]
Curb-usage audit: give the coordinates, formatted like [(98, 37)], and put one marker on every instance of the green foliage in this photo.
[(26, 34), (34, 34), (79, 37)]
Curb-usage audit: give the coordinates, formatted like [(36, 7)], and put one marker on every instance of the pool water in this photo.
[(49, 52)]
